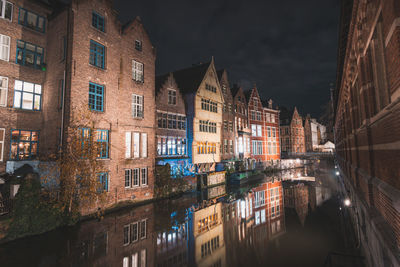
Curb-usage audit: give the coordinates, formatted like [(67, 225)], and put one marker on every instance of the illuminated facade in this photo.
[(256, 122), (207, 236), (243, 131), (272, 137), (204, 103), (292, 132), (171, 126)]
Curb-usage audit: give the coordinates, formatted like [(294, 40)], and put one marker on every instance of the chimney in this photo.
[(270, 104)]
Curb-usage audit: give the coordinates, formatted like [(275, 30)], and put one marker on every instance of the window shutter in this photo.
[(144, 145), (136, 144), (128, 140)]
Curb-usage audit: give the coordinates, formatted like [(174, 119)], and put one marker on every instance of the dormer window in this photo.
[(138, 45), (171, 97)]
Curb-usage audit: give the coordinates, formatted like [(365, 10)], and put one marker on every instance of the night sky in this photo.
[(287, 48)]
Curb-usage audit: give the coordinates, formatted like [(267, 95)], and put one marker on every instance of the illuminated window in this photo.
[(24, 145)]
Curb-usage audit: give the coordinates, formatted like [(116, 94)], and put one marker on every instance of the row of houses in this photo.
[(58, 59)]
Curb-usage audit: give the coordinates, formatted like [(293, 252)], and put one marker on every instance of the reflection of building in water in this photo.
[(297, 197), (172, 247), (206, 238), (212, 193), (121, 240), (252, 221)]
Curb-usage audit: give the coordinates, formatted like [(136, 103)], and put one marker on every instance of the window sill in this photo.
[(26, 110), (98, 68), (138, 82), (137, 187), (98, 30)]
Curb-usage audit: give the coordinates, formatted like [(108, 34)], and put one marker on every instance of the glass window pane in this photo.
[(27, 101), (8, 11), (25, 136), (38, 89), (41, 23), (22, 13), (31, 19), (17, 100), (37, 103), (28, 87), (30, 47)]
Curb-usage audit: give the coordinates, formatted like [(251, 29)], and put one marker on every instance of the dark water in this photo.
[(274, 221)]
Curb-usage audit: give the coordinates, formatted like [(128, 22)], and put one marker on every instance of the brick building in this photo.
[(80, 58), (367, 123), (29, 114), (256, 122), (171, 125), (228, 130), (292, 132), (243, 131), (271, 124)]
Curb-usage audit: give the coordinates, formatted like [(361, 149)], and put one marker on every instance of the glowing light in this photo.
[(347, 202), (337, 173)]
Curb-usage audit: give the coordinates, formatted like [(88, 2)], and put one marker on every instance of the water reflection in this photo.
[(240, 226)]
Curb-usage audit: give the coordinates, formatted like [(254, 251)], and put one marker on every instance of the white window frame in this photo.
[(144, 175), (3, 9), (137, 71), (129, 235), (133, 177), (2, 142), (137, 106), (4, 86), (4, 45), (129, 171), (172, 97), (259, 130), (254, 130), (143, 222)]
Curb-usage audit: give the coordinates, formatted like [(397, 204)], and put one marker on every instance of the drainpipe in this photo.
[(64, 79)]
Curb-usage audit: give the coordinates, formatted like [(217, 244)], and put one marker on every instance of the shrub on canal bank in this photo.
[(165, 185), (33, 214)]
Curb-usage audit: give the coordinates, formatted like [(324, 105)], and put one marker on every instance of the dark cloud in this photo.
[(288, 48)]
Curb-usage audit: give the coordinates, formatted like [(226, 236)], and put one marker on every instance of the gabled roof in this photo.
[(235, 89), (189, 79), (220, 73), (285, 115), (160, 81)]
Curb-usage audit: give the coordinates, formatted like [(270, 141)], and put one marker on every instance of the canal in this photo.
[(291, 218)]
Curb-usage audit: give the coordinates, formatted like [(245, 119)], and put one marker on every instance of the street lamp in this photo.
[(337, 173), (347, 202)]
